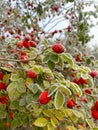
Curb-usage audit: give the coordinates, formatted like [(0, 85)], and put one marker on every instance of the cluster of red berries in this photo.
[(24, 57), (94, 110), (81, 80), (27, 42)]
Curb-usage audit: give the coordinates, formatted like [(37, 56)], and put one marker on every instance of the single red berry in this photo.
[(75, 81), (71, 103), (26, 38), (94, 74), (11, 115), (32, 43), (58, 48), (20, 44), (94, 114), (32, 74), (84, 100), (96, 105), (3, 86), (88, 91), (25, 58), (44, 97), (69, 28), (7, 124), (17, 36), (82, 81), (55, 8), (1, 75), (23, 53), (93, 108)]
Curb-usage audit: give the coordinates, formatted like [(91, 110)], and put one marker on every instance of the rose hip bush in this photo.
[(45, 83)]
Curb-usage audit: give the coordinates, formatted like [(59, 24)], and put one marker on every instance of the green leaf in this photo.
[(53, 89), (13, 124), (33, 87), (76, 88), (95, 128), (46, 58), (22, 101), (2, 114), (54, 58), (64, 89), (70, 0), (67, 57), (51, 65), (21, 85), (61, 62), (90, 122), (39, 9), (14, 77), (9, 69), (40, 122), (59, 100), (14, 105), (12, 91)]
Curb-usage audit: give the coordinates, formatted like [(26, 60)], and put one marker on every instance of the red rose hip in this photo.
[(44, 97), (71, 103), (94, 74), (94, 114), (58, 48), (32, 74)]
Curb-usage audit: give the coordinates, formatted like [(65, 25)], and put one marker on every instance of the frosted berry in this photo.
[(94, 74), (26, 44), (32, 74), (94, 114), (58, 48), (82, 81), (88, 91), (1, 75), (96, 105), (25, 58), (71, 103), (32, 43), (44, 97)]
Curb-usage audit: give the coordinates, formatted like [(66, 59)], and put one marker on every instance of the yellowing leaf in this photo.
[(54, 121), (90, 123), (50, 126), (47, 113), (71, 128), (40, 122)]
